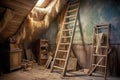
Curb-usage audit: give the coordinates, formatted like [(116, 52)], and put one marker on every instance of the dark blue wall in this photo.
[(94, 12)]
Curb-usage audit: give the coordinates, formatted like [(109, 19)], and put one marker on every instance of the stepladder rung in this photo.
[(70, 16), (99, 65), (99, 59), (66, 36), (72, 10), (75, 4), (58, 67), (74, 1), (63, 51), (67, 29), (64, 43), (99, 55), (101, 46), (69, 22), (102, 26), (60, 59)]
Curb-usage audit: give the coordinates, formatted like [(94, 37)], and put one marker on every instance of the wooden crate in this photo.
[(15, 59), (72, 63)]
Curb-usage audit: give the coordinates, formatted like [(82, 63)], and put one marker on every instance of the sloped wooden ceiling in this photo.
[(24, 23), (16, 11)]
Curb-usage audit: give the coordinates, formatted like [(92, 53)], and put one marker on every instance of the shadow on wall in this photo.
[(82, 61), (93, 12), (113, 61)]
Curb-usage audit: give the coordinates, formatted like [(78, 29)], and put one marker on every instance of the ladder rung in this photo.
[(67, 29), (72, 10), (69, 22), (74, 4), (103, 27), (62, 51), (60, 59), (99, 55), (64, 43), (70, 16), (102, 46), (66, 36), (58, 67), (99, 65)]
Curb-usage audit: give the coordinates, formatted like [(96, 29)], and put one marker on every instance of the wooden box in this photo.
[(72, 64), (15, 59), (43, 54), (11, 56)]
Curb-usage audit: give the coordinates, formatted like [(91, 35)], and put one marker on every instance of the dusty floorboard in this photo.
[(38, 73)]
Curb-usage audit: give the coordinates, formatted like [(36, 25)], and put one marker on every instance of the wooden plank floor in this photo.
[(38, 73)]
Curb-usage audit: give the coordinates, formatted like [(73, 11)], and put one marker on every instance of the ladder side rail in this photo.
[(58, 41), (73, 31)]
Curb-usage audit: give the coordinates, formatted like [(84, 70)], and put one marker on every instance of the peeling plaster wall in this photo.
[(94, 12), (51, 32)]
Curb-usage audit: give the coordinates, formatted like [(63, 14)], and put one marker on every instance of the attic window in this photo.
[(39, 2)]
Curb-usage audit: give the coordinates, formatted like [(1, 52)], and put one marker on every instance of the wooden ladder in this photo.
[(100, 59), (68, 27)]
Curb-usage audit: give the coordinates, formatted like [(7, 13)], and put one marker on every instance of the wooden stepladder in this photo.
[(101, 49), (66, 37)]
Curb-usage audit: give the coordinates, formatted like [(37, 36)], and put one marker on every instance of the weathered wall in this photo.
[(113, 59), (94, 12), (51, 32)]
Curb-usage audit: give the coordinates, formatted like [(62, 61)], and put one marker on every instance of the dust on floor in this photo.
[(38, 73)]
